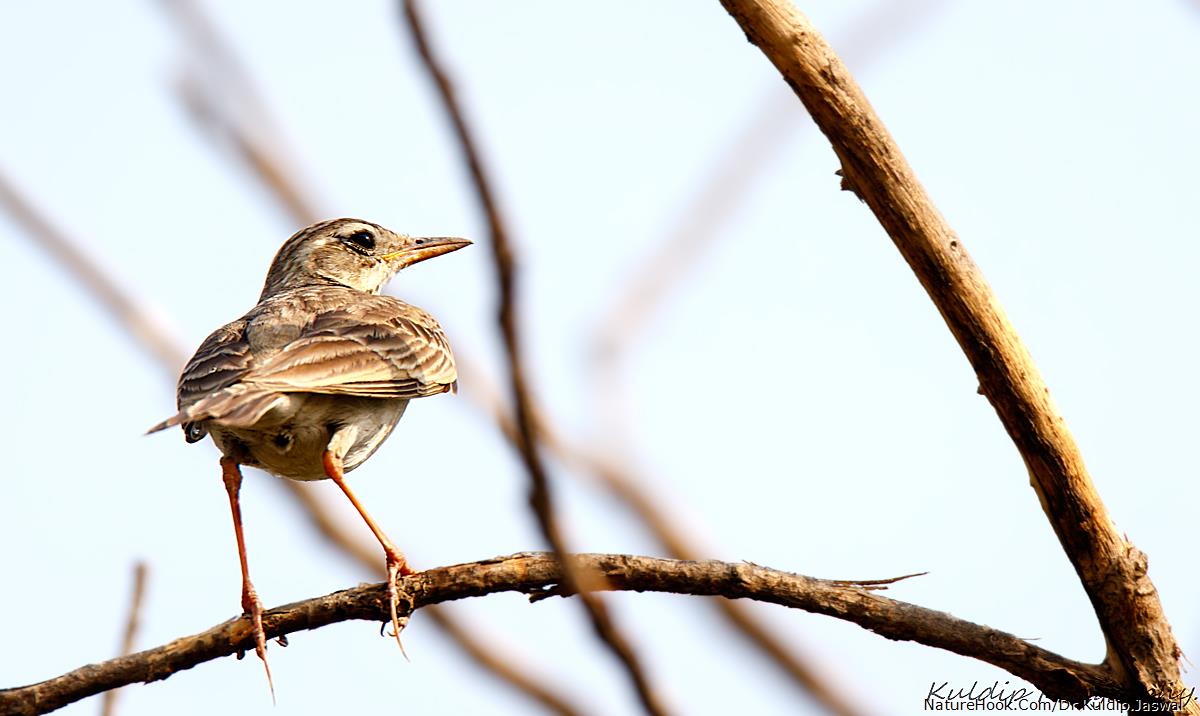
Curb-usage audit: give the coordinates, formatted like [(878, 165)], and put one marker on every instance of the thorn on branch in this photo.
[(876, 584)]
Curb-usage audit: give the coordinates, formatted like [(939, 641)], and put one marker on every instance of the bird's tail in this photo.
[(238, 406)]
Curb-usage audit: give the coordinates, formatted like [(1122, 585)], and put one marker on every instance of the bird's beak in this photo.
[(424, 247)]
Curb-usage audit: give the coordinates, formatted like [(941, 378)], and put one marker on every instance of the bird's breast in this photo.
[(292, 439)]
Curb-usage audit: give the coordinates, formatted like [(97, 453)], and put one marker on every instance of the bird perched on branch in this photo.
[(312, 380)]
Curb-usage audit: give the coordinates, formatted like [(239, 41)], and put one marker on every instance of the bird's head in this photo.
[(350, 252)]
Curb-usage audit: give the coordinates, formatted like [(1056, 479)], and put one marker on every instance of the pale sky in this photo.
[(796, 400)]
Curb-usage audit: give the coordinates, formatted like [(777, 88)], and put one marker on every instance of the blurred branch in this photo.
[(540, 576), (1143, 655), (147, 329), (225, 96), (262, 157), (626, 486), (724, 189), (540, 494), (150, 335), (132, 623), (682, 247)]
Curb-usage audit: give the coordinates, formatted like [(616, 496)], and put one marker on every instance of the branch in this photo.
[(540, 498), (1142, 649), (540, 574), (267, 162), (231, 102)]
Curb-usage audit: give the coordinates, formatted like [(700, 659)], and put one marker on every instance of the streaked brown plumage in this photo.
[(312, 380)]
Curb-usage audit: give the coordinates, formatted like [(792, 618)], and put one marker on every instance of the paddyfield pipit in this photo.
[(312, 380)]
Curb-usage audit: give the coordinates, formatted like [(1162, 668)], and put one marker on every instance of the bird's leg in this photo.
[(231, 474), (397, 565)]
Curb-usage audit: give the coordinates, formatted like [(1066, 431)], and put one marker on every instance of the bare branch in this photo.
[(1112, 570), (263, 157), (132, 623), (538, 573), (540, 498)]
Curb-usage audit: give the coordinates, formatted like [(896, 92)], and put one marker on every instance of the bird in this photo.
[(309, 383)]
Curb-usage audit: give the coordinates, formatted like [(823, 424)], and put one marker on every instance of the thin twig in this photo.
[(1142, 649), (133, 621), (535, 574), (540, 497), (880, 583)]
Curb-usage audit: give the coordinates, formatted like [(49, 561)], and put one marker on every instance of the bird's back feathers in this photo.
[(328, 340)]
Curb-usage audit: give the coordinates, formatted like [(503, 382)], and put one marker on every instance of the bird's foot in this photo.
[(397, 567), (252, 607)]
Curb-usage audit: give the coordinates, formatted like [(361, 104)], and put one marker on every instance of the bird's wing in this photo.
[(376, 348), (220, 361), (381, 349)]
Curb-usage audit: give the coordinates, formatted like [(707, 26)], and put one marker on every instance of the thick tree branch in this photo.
[(1112, 570), (540, 494), (540, 575)]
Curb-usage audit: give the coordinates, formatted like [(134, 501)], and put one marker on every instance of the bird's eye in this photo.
[(361, 241)]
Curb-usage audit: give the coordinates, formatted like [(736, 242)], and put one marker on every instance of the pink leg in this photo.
[(397, 565), (231, 473)]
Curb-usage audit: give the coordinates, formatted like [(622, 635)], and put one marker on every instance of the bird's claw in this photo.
[(396, 566), (252, 608)]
